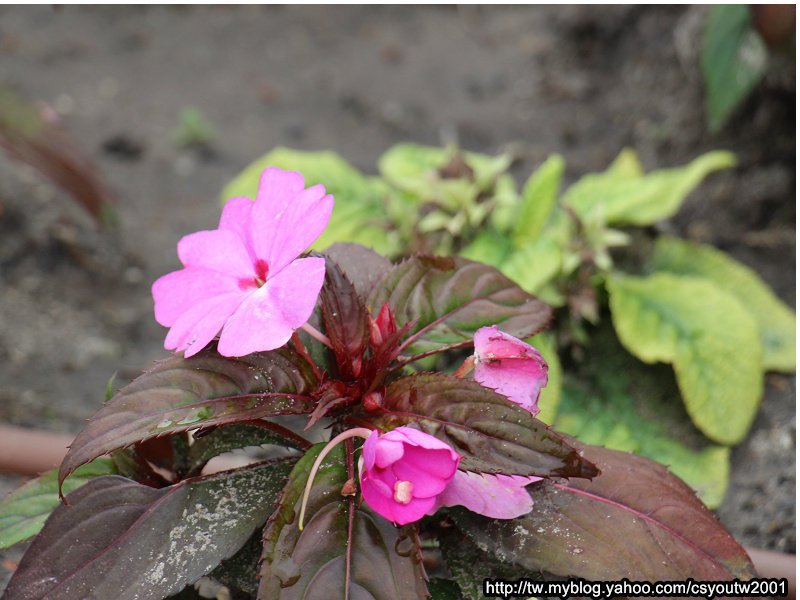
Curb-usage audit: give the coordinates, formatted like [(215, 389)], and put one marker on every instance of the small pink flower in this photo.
[(243, 280), (404, 471), (517, 371), (510, 367)]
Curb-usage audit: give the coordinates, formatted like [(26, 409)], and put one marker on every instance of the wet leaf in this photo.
[(447, 299), (24, 511), (346, 320), (118, 539), (634, 521), (493, 434), (776, 321), (734, 61), (358, 213), (311, 564), (179, 394), (712, 341)]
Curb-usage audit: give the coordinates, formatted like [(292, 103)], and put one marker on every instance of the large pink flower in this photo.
[(243, 280), (404, 471), (510, 367)]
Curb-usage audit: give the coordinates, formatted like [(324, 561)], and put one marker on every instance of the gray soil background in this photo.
[(75, 303)]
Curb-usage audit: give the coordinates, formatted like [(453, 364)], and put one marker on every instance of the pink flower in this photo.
[(404, 471), (243, 280), (517, 371), (510, 367)]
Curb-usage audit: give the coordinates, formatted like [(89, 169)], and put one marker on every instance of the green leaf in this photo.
[(179, 394), (359, 214), (448, 299), (635, 521), (538, 200), (24, 511), (535, 265), (489, 247), (734, 60), (776, 321), (624, 199), (493, 434), (613, 421), (711, 340), (312, 563), (550, 397), (139, 542)]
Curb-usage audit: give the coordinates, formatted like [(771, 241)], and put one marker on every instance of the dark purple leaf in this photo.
[(118, 539), (180, 394), (447, 299), (311, 564), (493, 434), (361, 265), (635, 521), (346, 320), (469, 565)]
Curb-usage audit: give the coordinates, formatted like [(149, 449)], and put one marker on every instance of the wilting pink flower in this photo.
[(517, 371), (404, 471), (510, 367), (243, 280)]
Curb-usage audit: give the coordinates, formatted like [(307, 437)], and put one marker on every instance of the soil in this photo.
[(75, 303)]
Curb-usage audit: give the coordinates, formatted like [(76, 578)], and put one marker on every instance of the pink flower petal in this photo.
[(196, 327), (425, 484), (495, 496), (440, 462), (510, 367), (269, 315), (177, 292), (286, 219), (236, 216), (219, 250), (387, 507), (416, 437), (368, 451), (388, 452), (519, 380)]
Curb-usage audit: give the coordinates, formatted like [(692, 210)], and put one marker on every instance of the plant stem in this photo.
[(316, 334), (361, 432)]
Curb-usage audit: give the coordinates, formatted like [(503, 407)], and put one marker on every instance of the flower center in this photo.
[(262, 272), (402, 491)]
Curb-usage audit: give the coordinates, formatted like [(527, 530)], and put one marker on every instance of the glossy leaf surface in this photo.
[(776, 321), (346, 320), (24, 511), (118, 539), (712, 341), (447, 299), (634, 521), (493, 434), (312, 564), (180, 394)]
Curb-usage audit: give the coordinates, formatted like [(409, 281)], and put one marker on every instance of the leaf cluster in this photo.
[(144, 516), (688, 305)]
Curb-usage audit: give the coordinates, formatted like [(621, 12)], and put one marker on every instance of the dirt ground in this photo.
[(75, 303)]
